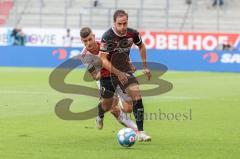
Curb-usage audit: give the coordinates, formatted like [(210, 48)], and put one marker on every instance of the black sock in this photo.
[(138, 112), (100, 110)]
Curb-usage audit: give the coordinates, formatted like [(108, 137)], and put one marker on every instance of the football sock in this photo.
[(100, 110), (126, 121), (138, 112)]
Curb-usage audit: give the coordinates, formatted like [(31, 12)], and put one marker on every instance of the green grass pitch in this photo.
[(29, 128)]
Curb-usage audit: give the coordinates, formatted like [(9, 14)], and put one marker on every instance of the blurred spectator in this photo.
[(228, 47), (225, 47), (95, 3), (189, 2), (21, 38), (219, 2), (18, 37), (67, 39), (13, 36)]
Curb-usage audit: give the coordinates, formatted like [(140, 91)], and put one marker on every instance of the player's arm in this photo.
[(94, 73), (107, 64), (132, 67), (142, 49)]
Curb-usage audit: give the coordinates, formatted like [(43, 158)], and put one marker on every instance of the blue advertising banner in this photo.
[(220, 61), (35, 56)]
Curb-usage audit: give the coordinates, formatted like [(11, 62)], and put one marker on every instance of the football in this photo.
[(126, 137)]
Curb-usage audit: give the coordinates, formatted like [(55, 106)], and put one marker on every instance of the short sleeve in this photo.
[(103, 45), (137, 38)]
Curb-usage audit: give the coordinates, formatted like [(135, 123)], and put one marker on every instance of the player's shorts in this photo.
[(119, 93), (109, 85), (131, 80)]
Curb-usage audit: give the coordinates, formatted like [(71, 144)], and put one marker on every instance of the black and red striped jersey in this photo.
[(118, 47)]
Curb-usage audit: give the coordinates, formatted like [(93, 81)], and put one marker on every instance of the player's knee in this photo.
[(136, 98), (115, 112), (106, 109), (114, 108), (127, 108), (106, 105)]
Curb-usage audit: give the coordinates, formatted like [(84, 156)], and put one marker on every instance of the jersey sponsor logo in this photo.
[(122, 50), (121, 46)]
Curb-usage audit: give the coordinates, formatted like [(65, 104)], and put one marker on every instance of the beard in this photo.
[(122, 32)]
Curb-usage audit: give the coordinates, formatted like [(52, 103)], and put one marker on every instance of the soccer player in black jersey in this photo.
[(114, 52)]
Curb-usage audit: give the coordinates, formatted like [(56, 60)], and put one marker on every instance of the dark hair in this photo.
[(85, 31), (119, 13), (14, 32)]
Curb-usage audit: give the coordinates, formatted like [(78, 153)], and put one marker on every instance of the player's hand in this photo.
[(96, 75), (147, 73), (123, 77), (133, 68)]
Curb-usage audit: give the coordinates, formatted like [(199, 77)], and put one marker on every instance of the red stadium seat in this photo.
[(5, 7)]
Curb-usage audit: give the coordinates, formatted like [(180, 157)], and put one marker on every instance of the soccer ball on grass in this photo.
[(126, 137)]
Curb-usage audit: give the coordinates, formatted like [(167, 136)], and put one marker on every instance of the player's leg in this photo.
[(138, 110), (107, 89), (133, 91), (115, 110), (126, 106), (120, 115), (125, 102), (103, 107)]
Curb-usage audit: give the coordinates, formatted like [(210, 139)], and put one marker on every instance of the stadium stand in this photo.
[(151, 14), (5, 7)]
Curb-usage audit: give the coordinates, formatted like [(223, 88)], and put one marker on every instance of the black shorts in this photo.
[(108, 85)]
